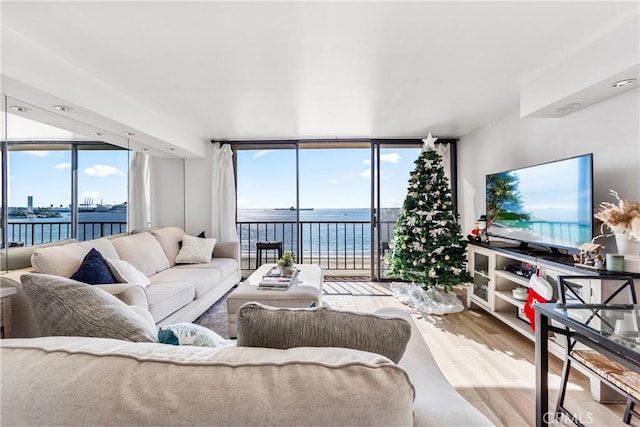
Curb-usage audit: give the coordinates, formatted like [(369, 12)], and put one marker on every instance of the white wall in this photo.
[(167, 192), (197, 194), (181, 193), (609, 130)]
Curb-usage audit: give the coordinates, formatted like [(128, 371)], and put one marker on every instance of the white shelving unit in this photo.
[(492, 287)]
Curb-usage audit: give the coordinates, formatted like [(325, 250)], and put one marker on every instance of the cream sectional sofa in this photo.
[(159, 384), (177, 293)]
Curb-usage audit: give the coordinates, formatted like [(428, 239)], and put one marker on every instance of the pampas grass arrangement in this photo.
[(622, 217)]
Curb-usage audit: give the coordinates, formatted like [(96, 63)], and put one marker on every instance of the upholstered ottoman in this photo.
[(306, 290)]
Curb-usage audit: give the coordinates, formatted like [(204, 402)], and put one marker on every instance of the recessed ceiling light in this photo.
[(20, 108), (63, 108), (568, 107), (128, 133), (97, 133), (623, 83)]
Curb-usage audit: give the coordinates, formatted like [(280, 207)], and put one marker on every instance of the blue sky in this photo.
[(550, 191), (329, 178), (46, 175)]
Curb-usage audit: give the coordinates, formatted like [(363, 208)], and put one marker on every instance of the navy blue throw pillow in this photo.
[(93, 270)]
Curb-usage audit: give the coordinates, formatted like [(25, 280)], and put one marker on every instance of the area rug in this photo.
[(215, 318)]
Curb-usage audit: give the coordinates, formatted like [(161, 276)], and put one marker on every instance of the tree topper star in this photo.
[(429, 143)]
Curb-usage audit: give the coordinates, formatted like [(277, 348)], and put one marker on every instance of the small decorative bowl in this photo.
[(520, 293)]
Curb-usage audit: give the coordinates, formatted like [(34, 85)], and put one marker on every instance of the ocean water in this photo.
[(34, 231), (562, 233), (264, 215), (323, 232)]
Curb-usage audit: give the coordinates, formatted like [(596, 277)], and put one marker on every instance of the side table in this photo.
[(5, 311)]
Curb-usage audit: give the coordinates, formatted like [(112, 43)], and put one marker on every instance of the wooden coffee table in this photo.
[(307, 289)]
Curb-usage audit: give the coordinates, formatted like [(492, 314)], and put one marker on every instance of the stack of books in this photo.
[(274, 280)]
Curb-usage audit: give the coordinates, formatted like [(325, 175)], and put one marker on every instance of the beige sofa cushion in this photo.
[(166, 298), (202, 279), (20, 257), (263, 326), (65, 307), (66, 259), (115, 383), (142, 251), (226, 266), (169, 238)]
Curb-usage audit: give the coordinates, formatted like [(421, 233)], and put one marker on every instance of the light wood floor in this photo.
[(493, 367)]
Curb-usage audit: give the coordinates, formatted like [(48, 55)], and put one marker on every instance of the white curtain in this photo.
[(443, 150), (139, 206), (223, 194)]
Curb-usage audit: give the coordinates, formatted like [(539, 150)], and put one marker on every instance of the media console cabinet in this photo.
[(491, 289)]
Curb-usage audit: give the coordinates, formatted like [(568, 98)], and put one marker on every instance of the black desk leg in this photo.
[(542, 369)]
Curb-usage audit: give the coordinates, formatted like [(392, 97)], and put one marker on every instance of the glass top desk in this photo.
[(609, 329)]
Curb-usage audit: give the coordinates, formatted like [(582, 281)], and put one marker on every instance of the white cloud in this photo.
[(391, 157), (366, 162), (333, 181), (261, 153), (38, 153), (63, 166), (102, 170), (367, 173), (243, 201)]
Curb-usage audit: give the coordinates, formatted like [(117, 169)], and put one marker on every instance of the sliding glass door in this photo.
[(333, 203), (395, 162), (266, 186)]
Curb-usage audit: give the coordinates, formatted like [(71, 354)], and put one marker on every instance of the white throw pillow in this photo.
[(124, 272), (195, 250)]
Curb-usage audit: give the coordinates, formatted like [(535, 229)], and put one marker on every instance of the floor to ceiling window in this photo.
[(59, 184), (39, 190), (335, 201), (102, 191), (331, 203), (266, 200), (395, 164)]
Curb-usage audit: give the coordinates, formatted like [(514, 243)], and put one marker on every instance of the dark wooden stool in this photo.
[(267, 246)]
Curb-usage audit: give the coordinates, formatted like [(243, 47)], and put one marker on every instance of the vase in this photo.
[(627, 245), (286, 271)]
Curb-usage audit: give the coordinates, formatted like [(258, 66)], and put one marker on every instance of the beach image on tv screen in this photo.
[(547, 204)]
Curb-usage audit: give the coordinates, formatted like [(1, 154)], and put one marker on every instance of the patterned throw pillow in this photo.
[(93, 270), (65, 307), (195, 250), (263, 326), (124, 272), (191, 334)]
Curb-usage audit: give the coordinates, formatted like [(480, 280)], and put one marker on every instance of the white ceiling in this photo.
[(248, 70)]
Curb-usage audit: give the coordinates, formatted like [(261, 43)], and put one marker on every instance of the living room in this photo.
[(512, 84)]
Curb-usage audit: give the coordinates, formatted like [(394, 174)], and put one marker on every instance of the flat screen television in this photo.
[(549, 205)]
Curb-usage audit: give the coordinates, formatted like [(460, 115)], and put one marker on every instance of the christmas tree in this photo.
[(428, 247)]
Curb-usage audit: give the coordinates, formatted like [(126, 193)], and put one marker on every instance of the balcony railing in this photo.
[(35, 233), (335, 245)]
